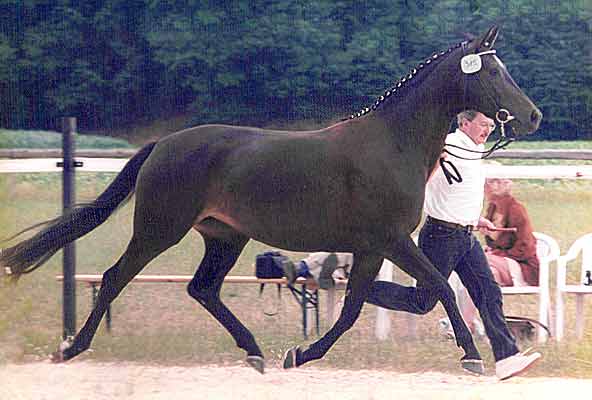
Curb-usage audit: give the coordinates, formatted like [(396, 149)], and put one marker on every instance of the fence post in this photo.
[(69, 251)]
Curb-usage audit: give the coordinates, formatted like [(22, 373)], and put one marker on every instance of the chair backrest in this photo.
[(582, 245), (547, 248)]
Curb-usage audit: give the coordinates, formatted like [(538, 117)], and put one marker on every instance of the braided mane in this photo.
[(404, 81)]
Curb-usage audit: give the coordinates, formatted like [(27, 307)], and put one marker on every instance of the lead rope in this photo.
[(449, 176)]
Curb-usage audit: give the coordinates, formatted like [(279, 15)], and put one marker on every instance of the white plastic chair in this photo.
[(547, 252), (582, 245)]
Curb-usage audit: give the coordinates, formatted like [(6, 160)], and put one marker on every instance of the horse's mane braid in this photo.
[(403, 81)]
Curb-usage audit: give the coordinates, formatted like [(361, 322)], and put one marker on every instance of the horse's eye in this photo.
[(493, 72)]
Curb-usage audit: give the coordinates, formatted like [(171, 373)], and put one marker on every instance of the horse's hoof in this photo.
[(57, 357), (291, 357), (256, 362), (473, 366)]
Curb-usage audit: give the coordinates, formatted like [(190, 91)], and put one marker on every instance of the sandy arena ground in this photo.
[(94, 381)]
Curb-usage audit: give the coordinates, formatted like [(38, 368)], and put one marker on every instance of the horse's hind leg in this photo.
[(220, 256), (136, 256), (161, 220)]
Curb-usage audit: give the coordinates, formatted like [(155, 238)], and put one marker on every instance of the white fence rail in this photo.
[(116, 164), (541, 154)]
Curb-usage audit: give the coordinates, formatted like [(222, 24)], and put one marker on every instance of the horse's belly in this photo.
[(292, 229)]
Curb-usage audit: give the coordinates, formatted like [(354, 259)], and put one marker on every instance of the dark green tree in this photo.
[(115, 63)]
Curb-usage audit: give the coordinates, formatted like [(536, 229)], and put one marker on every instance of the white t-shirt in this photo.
[(460, 202)]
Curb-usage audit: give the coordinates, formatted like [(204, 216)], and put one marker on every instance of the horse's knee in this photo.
[(443, 291), (427, 306), (426, 301), (194, 291)]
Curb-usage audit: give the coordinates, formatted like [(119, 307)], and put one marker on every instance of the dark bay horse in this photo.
[(356, 186)]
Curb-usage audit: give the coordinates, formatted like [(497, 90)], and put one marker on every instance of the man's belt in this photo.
[(452, 225)]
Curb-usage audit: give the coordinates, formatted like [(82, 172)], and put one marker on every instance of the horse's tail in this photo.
[(31, 253)]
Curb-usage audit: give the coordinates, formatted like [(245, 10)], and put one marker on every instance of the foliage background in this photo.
[(116, 63)]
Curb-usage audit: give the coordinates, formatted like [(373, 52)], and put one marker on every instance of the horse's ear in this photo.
[(487, 40)]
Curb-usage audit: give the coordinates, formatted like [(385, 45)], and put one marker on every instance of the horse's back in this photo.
[(297, 190), (248, 178)]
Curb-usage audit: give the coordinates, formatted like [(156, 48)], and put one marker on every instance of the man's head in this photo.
[(475, 125), (497, 187)]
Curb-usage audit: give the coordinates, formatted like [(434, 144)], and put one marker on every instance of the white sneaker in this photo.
[(514, 365)]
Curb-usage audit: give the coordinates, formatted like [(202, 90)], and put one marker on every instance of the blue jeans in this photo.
[(451, 249)]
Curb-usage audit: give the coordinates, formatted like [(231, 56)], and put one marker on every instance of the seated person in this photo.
[(324, 267), (511, 255)]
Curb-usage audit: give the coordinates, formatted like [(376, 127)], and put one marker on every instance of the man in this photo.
[(447, 240), (511, 254)]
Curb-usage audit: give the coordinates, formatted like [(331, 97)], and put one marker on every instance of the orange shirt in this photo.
[(507, 212)]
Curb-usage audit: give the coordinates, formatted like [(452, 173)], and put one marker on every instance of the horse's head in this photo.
[(488, 86)]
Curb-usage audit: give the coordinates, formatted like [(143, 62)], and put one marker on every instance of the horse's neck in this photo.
[(420, 122), (415, 124)]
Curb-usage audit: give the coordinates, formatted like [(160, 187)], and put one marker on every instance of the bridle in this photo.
[(471, 64)]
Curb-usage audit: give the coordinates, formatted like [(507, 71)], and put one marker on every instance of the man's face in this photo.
[(478, 129)]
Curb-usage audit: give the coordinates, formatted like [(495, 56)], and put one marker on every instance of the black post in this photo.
[(69, 252)]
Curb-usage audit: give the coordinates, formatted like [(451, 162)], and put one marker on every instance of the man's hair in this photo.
[(469, 115)]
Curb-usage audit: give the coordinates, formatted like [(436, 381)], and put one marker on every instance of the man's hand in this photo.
[(485, 226)]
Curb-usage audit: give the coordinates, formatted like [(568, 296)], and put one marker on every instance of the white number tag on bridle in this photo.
[(472, 63)]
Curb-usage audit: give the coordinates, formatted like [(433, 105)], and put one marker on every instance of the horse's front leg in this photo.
[(430, 282), (363, 273)]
